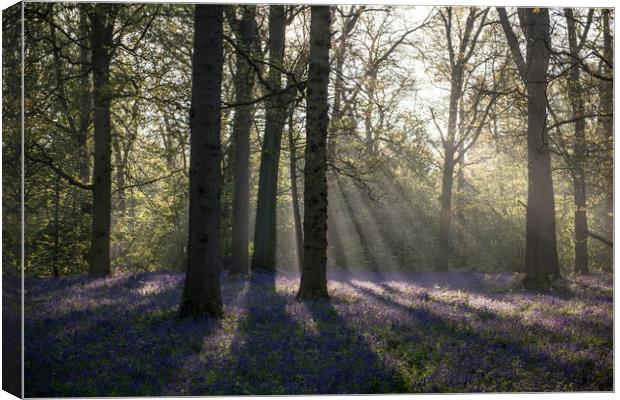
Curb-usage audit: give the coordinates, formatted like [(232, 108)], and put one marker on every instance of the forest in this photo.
[(290, 199)]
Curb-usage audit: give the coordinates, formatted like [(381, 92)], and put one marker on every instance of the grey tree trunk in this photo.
[(541, 255), (244, 83), (579, 151), (335, 250), (292, 143), (314, 275), (458, 58), (119, 161), (201, 294), (445, 218), (606, 107), (607, 87), (102, 24), (56, 251), (264, 256), (85, 100)]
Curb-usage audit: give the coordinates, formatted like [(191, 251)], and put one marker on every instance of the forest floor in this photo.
[(387, 333)]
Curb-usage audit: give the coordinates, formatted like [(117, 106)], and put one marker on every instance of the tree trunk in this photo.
[(605, 213), (445, 218), (607, 87), (56, 251), (244, 83), (579, 152), (85, 100), (120, 173), (299, 239), (460, 208), (102, 24), (264, 256), (334, 239), (314, 275), (541, 256), (201, 294)]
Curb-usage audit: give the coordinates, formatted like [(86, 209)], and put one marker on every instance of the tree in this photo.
[(454, 146), (578, 175), (298, 69), (201, 294), (313, 278), (102, 28), (541, 255), (264, 256), (244, 82), (606, 130)]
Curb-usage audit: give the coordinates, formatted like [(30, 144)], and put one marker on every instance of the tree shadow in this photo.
[(285, 346), (117, 349), (484, 359)]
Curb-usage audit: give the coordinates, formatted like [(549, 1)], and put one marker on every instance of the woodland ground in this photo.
[(418, 332)]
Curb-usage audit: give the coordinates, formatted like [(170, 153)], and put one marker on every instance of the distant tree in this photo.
[(294, 99), (457, 141), (201, 294), (102, 29), (606, 130), (245, 37), (541, 255), (347, 20), (313, 278), (85, 98), (578, 159), (264, 256)]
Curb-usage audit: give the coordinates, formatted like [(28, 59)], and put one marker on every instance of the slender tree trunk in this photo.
[(85, 100), (581, 224), (335, 250), (244, 83), (299, 239), (201, 294), (579, 153), (460, 207), (607, 87), (541, 256), (102, 24), (120, 173), (264, 256), (56, 251), (445, 218), (605, 213), (314, 275)]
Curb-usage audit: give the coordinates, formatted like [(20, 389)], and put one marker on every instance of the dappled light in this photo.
[(276, 199), (404, 332)]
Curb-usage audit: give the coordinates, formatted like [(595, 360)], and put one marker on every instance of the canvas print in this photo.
[(278, 199)]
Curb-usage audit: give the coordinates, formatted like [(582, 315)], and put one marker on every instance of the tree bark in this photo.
[(445, 218), (579, 151), (605, 213), (313, 283), (541, 255), (119, 161), (264, 256), (201, 294), (335, 250), (299, 239), (244, 83), (102, 24), (56, 251), (85, 100)]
